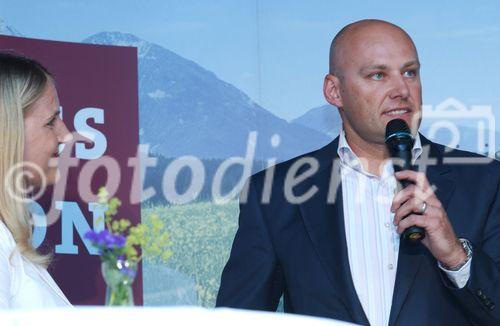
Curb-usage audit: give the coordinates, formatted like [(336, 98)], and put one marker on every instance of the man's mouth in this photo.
[(397, 111)]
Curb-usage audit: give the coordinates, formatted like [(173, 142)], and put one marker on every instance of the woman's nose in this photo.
[(64, 135)]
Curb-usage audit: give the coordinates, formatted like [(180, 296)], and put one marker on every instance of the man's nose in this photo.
[(400, 88)]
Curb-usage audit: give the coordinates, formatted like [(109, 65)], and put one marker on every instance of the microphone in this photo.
[(399, 141)]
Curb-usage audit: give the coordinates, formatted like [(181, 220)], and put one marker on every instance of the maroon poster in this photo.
[(97, 88)]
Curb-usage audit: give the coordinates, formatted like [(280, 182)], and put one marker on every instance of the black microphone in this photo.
[(399, 141)]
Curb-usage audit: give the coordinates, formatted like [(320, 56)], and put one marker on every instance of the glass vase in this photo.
[(119, 276)]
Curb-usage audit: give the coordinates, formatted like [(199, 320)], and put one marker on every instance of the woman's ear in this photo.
[(331, 90)]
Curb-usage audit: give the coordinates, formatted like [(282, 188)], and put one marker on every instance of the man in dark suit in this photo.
[(316, 230)]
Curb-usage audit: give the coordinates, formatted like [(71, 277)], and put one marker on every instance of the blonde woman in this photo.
[(30, 134)]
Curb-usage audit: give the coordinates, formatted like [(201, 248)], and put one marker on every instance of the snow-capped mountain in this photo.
[(185, 109)]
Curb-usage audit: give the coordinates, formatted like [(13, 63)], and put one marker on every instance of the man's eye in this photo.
[(377, 76), (410, 73)]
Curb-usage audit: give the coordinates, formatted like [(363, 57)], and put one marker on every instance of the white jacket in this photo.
[(22, 283)]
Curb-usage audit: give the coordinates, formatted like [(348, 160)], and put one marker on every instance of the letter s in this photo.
[(99, 139)]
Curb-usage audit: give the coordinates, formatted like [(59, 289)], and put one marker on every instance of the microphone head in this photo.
[(397, 129)]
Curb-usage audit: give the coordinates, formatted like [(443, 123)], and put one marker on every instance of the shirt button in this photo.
[(387, 225), (390, 266)]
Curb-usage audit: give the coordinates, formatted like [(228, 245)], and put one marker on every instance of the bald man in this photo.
[(323, 229)]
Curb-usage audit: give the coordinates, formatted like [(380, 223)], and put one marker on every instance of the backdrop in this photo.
[(227, 88), (97, 88)]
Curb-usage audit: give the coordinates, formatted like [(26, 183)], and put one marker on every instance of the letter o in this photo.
[(195, 185)]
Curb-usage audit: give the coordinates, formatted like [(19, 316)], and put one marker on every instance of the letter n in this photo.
[(71, 215)]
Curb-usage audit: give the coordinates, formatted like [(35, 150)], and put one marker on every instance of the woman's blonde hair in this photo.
[(22, 82)]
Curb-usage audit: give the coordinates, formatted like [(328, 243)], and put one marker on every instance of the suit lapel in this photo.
[(324, 222), (410, 256)]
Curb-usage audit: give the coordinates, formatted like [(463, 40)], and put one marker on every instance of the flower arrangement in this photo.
[(119, 246)]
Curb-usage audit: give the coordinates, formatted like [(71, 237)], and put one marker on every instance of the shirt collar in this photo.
[(349, 158)]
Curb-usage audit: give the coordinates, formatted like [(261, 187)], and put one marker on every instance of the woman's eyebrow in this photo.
[(58, 112)]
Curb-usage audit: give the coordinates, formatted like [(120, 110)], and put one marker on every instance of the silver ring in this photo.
[(423, 208)]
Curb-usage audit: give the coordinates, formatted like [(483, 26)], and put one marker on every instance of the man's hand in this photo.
[(407, 205)]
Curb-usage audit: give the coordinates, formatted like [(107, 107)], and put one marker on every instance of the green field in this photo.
[(201, 234)]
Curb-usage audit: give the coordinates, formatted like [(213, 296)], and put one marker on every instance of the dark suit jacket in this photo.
[(300, 251)]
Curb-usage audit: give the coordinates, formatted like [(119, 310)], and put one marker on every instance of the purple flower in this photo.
[(106, 239), (91, 235), (120, 241)]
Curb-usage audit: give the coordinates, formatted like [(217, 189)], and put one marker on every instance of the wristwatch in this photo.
[(468, 250)]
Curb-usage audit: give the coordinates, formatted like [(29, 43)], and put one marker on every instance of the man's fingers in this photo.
[(430, 220), (401, 197), (411, 220), (418, 178), (414, 191), (412, 205)]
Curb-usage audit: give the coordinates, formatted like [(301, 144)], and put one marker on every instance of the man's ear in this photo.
[(331, 90)]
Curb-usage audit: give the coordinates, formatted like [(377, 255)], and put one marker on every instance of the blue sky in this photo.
[(277, 51)]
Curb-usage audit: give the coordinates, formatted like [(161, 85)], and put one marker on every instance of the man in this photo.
[(325, 232)]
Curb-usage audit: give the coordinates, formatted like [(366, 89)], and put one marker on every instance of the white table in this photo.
[(168, 316)]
